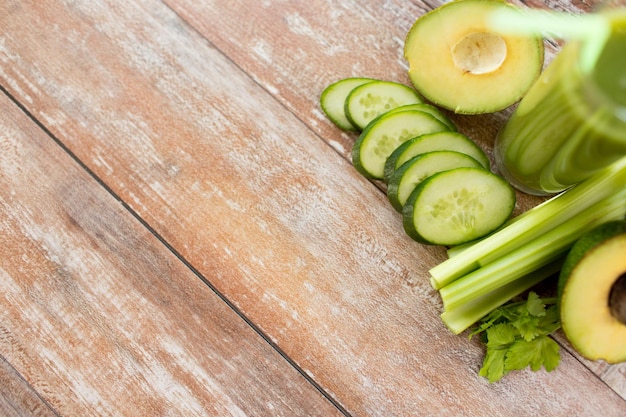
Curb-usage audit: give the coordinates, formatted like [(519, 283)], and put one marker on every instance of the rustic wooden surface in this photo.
[(183, 233)]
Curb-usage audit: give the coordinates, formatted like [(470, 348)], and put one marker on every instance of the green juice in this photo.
[(570, 124)]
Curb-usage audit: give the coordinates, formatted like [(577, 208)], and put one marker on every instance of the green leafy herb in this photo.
[(517, 336)]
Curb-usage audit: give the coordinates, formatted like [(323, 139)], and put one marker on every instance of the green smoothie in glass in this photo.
[(572, 122)]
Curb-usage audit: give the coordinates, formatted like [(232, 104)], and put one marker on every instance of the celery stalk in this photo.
[(533, 224), (461, 318), (533, 255)]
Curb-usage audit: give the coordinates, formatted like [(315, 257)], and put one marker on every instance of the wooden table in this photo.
[(183, 232)]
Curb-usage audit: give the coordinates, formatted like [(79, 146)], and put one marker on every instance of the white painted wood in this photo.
[(205, 123)]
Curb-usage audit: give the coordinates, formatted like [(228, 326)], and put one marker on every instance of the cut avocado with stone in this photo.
[(457, 62), (592, 294)]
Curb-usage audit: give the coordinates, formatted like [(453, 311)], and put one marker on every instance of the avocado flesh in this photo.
[(592, 293), (460, 64)]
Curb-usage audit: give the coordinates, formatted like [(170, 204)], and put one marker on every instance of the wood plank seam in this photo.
[(177, 254), (257, 79), (31, 389), (553, 47)]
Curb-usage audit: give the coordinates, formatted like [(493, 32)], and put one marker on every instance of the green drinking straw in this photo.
[(592, 29)]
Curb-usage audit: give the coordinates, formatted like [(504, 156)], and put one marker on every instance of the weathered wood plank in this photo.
[(295, 52), (101, 319), (17, 398), (277, 220)]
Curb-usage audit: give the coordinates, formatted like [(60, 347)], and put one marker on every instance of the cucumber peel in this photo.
[(438, 141), (503, 264), (457, 206), (369, 100), (384, 134), (333, 99), (430, 109), (422, 166)]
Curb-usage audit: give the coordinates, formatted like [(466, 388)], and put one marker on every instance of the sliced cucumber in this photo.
[(417, 169), (383, 136), (439, 141), (457, 206), (370, 100), (333, 100), (432, 110)]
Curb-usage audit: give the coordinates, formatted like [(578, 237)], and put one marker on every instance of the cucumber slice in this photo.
[(439, 141), (370, 100), (417, 169), (383, 136), (432, 110), (333, 100), (457, 206)]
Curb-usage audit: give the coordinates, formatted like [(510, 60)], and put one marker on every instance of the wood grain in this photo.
[(295, 52), (101, 319), (333, 38), (205, 123), (17, 397)]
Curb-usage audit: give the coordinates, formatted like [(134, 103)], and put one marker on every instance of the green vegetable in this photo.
[(333, 100), (461, 318), (406, 178), (384, 134), (549, 247), (438, 141), (605, 188), (430, 109), (509, 261), (517, 336), (457, 206), (370, 100)]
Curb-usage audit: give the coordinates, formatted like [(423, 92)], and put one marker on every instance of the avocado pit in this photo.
[(617, 299), (479, 53)]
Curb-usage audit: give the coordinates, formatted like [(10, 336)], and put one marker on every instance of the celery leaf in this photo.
[(516, 336), (542, 351)]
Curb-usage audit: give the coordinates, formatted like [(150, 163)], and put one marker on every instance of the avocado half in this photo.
[(457, 62), (592, 294)]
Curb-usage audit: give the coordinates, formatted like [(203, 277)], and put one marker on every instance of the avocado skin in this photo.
[(583, 245)]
